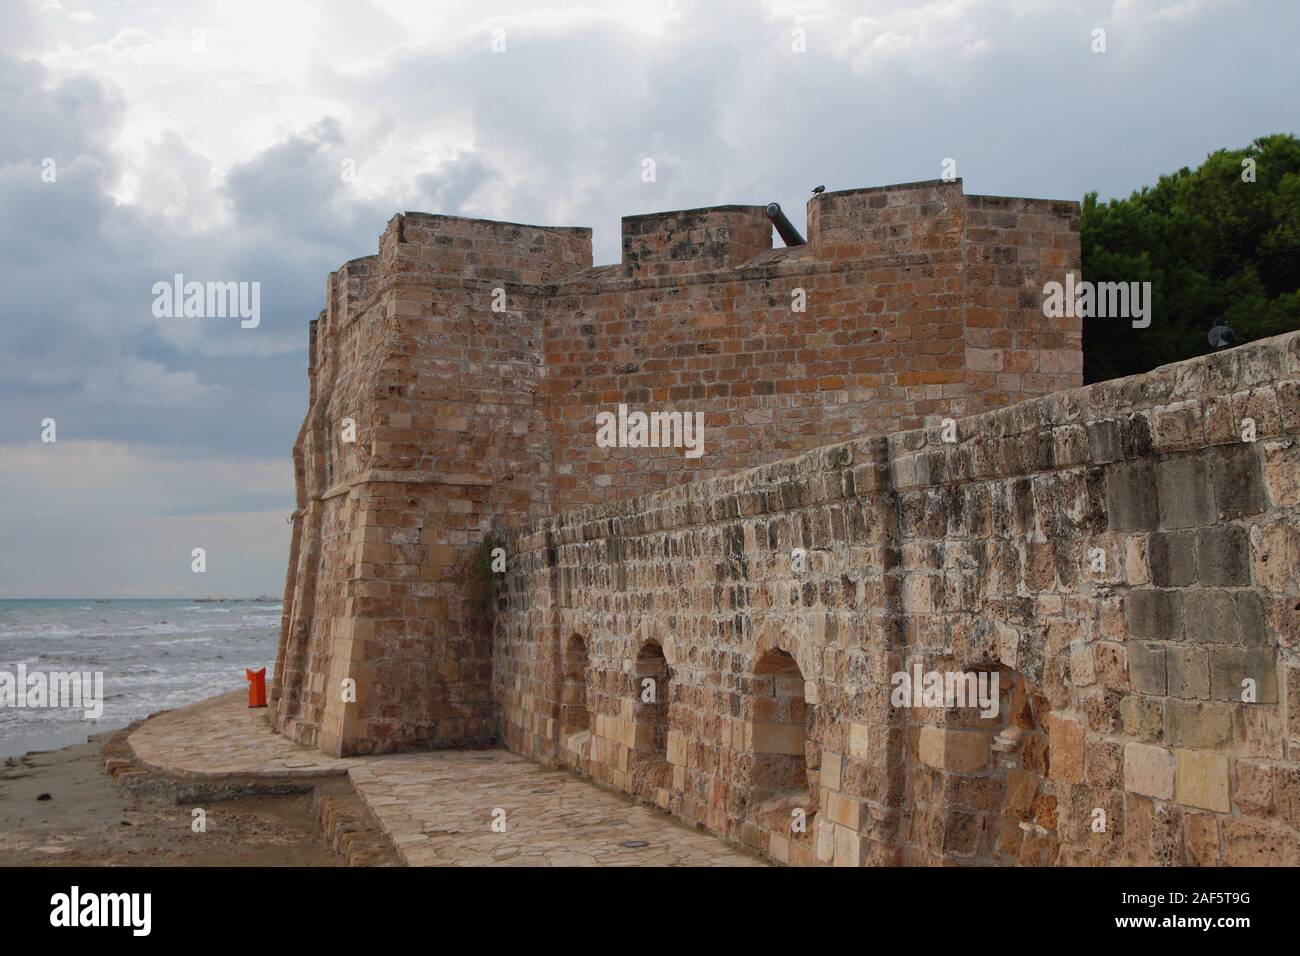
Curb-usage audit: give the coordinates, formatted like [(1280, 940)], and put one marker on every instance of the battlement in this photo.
[(474, 361), (694, 240), (419, 245)]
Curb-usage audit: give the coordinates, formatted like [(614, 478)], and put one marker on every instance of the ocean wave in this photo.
[(154, 655)]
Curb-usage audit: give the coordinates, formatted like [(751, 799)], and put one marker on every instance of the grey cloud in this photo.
[(553, 131)]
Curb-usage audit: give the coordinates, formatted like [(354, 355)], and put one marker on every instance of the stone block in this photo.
[(1147, 669), (1022, 789), (676, 747), (859, 740), (1282, 471), (778, 847), (844, 810), (1149, 771), (1249, 842), (1171, 558), (1252, 788), (1251, 625), (1137, 563), (1291, 674), (1143, 717), (825, 840), (776, 739), (1104, 763), (1263, 730), (1203, 839), (848, 847), (1110, 662), (1231, 666), (1276, 556), (1186, 492), (1202, 780), (1223, 556), (962, 751), (1131, 496), (1238, 486), (1211, 617), (1104, 441), (1179, 426), (1065, 750), (1196, 724), (1287, 791), (1188, 672), (1154, 615), (832, 770), (1082, 670)]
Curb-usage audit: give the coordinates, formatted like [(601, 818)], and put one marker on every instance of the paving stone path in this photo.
[(439, 808)]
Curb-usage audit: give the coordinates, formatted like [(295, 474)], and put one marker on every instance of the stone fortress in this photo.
[(900, 470)]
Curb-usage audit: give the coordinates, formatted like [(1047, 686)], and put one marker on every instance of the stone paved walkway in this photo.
[(438, 808), (222, 737)]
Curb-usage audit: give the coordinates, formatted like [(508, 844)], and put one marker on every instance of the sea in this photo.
[(154, 655)]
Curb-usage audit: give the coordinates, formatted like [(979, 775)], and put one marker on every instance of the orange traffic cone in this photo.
[(256, 687)]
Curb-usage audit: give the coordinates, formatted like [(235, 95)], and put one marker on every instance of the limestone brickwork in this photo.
[(904, 476), (1126, 557), (470, 360)]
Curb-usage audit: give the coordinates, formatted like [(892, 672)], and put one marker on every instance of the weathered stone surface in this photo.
[(1211, 617), (1143, 718), (1131, 496), (1223, 556), (1147, 668), (1149, 771), (1252, 788), (1155, 615), (1282, 471), (1188, 671), (1194, 724), (1114, 555), (1172, 559), (1202, 780), (1238, 487), (1185, 492), (1231, 667), (1065, 742)]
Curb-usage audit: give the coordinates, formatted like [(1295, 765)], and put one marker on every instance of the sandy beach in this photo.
[(60, 808)]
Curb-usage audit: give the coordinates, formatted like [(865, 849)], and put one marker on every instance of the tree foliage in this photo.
[(1210, 244)]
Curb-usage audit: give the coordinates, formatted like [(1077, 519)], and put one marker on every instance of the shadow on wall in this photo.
[(979, 786), (575, 717), (784, 756), (652, 701)]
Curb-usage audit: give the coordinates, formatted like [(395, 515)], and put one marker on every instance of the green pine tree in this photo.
[(1210, 244)]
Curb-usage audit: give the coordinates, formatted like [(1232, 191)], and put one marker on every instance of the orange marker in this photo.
[(256, 687)]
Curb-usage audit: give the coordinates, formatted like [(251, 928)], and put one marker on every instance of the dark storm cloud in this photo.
[(552, 131)]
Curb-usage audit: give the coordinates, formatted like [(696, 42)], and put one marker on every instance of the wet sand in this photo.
[(90, 819)]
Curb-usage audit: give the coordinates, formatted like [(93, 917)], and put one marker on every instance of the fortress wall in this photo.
[(449, 440), (1121, 556), (1013, 247), (475, 412), (321, 587), (700, 319)]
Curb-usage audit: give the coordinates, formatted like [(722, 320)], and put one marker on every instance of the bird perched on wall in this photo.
[(818, 190), (1222, 337)]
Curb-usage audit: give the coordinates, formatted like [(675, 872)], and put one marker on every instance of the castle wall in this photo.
[(1123, 556), (911, 292), (449, 440), (473, 359)]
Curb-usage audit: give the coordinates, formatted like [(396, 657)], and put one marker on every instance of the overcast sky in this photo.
[(210, 139)]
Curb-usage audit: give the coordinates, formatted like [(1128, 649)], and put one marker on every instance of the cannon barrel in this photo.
[(784, 227)]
